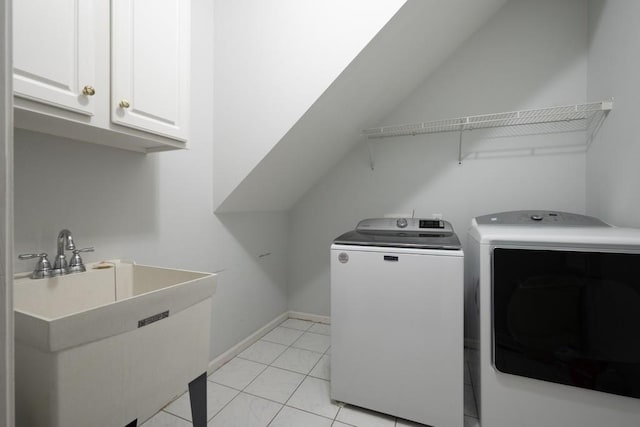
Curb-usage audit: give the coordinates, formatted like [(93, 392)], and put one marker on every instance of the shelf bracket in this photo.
[(460, 146), (371, 163)]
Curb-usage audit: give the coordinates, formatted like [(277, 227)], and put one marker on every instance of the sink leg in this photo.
[(198, 397)]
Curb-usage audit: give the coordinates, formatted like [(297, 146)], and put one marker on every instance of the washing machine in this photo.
[(397, 321), (558, 297)]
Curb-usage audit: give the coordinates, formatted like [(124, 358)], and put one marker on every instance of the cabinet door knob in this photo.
[(88, 90), (124, 104)]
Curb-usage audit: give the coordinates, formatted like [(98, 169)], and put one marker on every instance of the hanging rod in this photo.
[(566, 113)]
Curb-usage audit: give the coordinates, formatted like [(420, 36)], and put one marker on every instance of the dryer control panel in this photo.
[(540, 218)]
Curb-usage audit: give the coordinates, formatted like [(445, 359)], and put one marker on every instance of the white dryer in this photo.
[(559, 320), (396, 319)]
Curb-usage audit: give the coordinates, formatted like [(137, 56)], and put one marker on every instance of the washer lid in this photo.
[(402, 233)]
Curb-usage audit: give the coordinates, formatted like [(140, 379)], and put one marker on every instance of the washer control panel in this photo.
[(405, 224)]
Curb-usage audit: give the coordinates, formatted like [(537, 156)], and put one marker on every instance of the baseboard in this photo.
[(472, 343), (311, 317), (216, 363)]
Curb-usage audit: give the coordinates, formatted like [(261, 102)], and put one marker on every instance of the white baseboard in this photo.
[(245, 343), (311, 317), (216, 363)]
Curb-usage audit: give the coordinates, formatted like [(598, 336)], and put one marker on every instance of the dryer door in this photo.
[(569, 317)]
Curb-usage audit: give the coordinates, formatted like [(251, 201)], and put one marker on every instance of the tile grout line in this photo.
[(335, 418), (233, 388), (305, 376), (172, 414), (473, 389), (270, 342), (214, 382), (275, 367), (296, 389), (309, 375), (280, 354), (240, 391), (265, 398), (223, 406)]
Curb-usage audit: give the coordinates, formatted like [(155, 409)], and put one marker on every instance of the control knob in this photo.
[(401, 222)]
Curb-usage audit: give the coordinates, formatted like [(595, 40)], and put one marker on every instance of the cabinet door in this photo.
[(53, 54), (150, 46)]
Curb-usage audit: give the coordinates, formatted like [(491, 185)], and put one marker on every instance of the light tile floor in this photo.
[(283, 381)]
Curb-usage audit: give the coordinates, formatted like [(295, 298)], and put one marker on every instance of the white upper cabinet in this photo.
[(112, 72), (54, 55), (150, 65)]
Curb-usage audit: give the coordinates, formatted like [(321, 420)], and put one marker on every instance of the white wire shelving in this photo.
[(550, 115), (541, 120)]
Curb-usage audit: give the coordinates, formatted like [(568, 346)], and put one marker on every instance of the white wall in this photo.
[(530, 54), (273, 60), (156, 209), (614, 66)]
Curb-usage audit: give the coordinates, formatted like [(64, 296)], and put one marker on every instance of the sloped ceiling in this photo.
[(273, 60), (412, 44)]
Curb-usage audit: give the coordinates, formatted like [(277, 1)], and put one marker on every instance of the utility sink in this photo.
[(108, 346)]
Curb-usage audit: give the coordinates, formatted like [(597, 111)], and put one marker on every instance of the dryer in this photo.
[(558, 296)]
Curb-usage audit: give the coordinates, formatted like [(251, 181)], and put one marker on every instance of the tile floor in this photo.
[(283, 381)]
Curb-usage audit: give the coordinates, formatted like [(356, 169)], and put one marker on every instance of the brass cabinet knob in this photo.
[(88, 91), (124, 104)]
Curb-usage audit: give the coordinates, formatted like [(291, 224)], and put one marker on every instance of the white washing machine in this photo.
[(397, 319), (559, 320)]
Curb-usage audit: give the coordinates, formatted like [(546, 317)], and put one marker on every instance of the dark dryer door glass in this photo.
[(568, 317)]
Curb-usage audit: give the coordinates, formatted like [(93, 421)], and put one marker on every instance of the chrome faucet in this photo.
[(65, 241), (60, 267)]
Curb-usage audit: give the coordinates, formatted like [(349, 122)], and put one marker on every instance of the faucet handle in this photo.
[(43, 267), (29, 256), (75, 263), (77, 251)]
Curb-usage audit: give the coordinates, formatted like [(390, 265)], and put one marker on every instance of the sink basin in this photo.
[(108, 346), (61, 312)]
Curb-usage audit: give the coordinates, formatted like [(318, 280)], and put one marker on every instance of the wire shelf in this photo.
[(551, 119)]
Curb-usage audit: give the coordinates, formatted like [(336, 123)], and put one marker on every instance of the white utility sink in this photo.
[(110, 345)]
